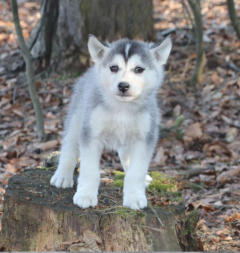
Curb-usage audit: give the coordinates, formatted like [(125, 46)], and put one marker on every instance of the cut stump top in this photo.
[(40, 217)]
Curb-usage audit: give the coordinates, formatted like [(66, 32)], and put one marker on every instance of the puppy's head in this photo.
[(129, 69)]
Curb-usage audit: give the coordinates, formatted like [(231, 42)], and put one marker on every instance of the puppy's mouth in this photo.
[(124, 97)]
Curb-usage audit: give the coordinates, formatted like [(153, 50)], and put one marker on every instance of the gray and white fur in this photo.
[(114, 106)]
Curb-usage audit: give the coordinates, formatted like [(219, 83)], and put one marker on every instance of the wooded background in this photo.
[(200, 141)]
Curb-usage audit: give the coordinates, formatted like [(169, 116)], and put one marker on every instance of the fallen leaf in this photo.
[(3, 37), (160, 157), (11, 168), (228, 176), (10, 142), (218, 148), (47, 145), (232, 133), (216, 79), (106, 180), (235, 216), (193, 131)]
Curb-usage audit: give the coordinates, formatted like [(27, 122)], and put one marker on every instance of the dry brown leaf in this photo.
[(177, 110), (48, 98), (47, 145), (232, 133), (18, 112), (11, 168), (235, 216), (10, 142), (208, 180), (228, 176), (7, 26), (201, 225), (50, 115), (216, 79), (223, 233), (24, 162), (51, 125), (160, 157), (218, 148), (3, 37), (193, 131), (207, 208), (106, 180)]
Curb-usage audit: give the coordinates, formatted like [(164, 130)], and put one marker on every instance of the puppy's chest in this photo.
[(121, 128)]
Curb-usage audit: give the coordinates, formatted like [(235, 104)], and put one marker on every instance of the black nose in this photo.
[(123, 86)]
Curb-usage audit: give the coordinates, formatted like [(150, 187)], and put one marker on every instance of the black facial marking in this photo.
[(134, 48), (121, 49)]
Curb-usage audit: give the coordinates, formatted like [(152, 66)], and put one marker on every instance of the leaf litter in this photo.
[(200, 140)]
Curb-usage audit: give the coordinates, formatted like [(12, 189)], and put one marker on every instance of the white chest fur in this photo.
[(119, 128)]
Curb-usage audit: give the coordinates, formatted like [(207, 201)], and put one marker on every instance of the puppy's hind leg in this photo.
[(124, 158), (63, 176)]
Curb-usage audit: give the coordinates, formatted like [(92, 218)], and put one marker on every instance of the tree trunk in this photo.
[(39, 217), (233, 16), (44, 33), (29, 73), (59, 39), (198, 29)]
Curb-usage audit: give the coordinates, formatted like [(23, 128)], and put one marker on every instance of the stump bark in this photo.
[(39, 217)]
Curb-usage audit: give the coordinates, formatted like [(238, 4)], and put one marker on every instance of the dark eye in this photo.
[(138, 70), (114, 68)]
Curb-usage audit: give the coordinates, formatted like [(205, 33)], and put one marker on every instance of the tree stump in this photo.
[(39, 217)]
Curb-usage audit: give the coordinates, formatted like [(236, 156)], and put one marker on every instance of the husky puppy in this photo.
[(114, 106)]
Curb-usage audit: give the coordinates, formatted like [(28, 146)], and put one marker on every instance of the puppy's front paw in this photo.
[(135, 200), (85, 200), (148, 180), (61, 181)]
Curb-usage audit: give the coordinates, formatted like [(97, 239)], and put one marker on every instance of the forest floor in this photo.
[(200, 132)]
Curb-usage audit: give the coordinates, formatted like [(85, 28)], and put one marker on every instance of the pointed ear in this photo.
[(162, 51), (96, 48)]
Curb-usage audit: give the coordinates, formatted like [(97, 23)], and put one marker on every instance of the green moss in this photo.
[(162, 183), (118, 183), (118, 175), (126, 212), (164, 186), (118, 178), (190, 222)]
